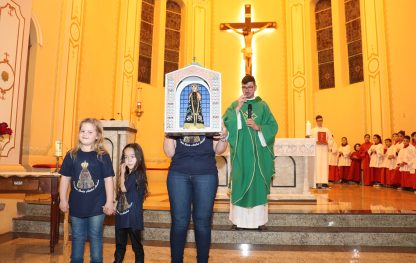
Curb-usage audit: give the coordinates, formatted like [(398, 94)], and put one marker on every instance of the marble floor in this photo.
[(36, 250), (340, 198)]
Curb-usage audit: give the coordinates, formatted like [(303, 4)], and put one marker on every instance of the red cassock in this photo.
[(388, 175), (395, 177), (376, 174), (413, 180), (407, 179), (383, 174), (343, 173), (384, 170), (365, 157), (333, 173), (355, 168)]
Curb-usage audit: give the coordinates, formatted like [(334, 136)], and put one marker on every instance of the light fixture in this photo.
[(139, 109)]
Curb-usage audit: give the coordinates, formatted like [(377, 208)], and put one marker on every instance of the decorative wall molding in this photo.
[(201, 51), (297, 67), (127, 60), (70, 69), (38, 29), (378, 118), (14, 34)]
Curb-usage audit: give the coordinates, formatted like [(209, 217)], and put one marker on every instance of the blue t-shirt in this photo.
[(87, 171), (130, 214), (194, 155)]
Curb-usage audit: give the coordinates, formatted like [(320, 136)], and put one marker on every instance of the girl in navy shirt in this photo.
[(89, 171), (131, 186)]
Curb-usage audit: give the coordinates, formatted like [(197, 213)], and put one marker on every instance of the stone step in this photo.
[(308, 220), (275, 219), (282, 235)]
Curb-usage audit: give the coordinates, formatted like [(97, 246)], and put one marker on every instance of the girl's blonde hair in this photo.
[(99, 142)]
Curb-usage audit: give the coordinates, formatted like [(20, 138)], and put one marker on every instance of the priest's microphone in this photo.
[(249, 110)]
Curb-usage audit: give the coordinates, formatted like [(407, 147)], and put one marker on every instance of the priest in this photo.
[(252, 130)]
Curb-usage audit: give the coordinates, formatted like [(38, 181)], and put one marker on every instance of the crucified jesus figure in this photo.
[(247, 51)]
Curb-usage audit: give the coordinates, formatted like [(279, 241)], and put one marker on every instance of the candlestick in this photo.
[(58, 148), (308, 129), (58, 153)]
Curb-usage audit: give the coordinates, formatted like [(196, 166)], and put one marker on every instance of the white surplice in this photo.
[(321, 156), (376, 153), (344, 159), (407, 155), (389, 163), (333, 154)]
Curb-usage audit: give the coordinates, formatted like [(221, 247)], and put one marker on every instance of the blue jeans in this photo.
[(186, 191), (91, 227)]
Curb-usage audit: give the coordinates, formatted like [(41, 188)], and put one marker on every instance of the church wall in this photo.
[(150, 133), (39, 120), (401, 43), (98, 60), (346, 107), (47, 73), (343, 112), (343, 106)]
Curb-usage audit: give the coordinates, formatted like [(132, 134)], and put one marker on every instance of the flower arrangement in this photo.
[(4, 129)]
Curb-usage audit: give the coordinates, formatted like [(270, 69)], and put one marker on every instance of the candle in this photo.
[(58, 148), (308, 128)]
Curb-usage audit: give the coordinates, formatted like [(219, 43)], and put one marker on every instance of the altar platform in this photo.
[(340, 198), (344, 215)]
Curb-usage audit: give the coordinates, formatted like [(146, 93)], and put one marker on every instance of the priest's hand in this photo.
[(241, 102), (250, 123)]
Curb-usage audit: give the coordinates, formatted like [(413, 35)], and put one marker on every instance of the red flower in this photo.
[(4, 129)]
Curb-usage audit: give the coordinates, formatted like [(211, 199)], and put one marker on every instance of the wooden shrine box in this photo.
[(193, 101)]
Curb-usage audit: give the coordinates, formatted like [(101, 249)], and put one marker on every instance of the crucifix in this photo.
[(247, 32)]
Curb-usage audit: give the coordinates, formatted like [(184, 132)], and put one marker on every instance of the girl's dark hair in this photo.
[(378, 137), (139, 170), (355, 146)]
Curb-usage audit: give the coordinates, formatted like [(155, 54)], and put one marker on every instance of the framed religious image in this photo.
[(322, 137), (193, 101)]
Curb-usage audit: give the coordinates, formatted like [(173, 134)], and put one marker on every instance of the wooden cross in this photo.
[(247, 33)]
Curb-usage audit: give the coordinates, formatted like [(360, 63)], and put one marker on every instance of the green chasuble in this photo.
[(252, 164)]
